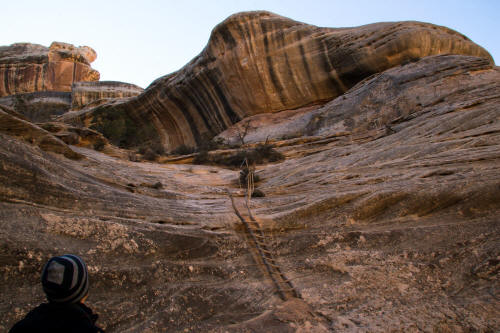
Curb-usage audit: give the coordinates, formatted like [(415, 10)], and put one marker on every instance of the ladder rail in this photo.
[(281, 283)]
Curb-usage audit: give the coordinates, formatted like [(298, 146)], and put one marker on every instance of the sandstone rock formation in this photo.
[(26, 68), (43, 83), (44, 106), (85, 94), (388, 225), (24, 130), (383, 217), (39, 106), (259, 62), (380, 103)]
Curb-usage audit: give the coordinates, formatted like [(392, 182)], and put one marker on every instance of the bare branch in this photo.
[(242, 131)]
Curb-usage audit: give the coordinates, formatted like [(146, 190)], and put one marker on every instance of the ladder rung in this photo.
[(260, 244), (255, 225), (268, 255), (273, 265)]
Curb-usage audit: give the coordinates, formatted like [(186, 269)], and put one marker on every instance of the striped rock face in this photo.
[(86, 94), (26, 68), (259, 62), (384, 217)]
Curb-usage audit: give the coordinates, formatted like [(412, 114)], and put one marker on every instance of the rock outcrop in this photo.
[(259, 62), (26, 131), (380, 103), (43, 83), (26, 68), (39, 106), (86, 94), (384, 216)]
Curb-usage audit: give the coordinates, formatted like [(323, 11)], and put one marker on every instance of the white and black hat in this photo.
[(65, 279)]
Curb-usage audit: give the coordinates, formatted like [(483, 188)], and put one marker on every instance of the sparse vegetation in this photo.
[(242, 130), (262, 153), (133, 157), (121, 130), (183, 150), (99, 144), (157, 185), (206, 145), (209, 144), (257, 193), (202, 158), (115, 125), (151, 150), (150, 155), (291, 136), (266, 153), (233, 160), (158, 148)]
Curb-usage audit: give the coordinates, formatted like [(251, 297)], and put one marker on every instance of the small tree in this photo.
[(242, 130)]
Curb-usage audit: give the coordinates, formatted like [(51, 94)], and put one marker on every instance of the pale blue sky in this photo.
[(141, 40)]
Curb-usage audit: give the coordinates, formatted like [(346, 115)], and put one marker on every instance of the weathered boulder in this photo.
[(26, 68), (86, 94), (259, 62)]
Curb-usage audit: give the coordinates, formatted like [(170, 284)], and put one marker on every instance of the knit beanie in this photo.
[(65, 279)]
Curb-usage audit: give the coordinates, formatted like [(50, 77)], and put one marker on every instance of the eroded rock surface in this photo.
[(26, 68), (24, 130), (384, 216), (259, 62), (379, 104), (86, 94), (39, 106)]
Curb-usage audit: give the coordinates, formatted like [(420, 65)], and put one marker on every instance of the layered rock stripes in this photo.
[(26, 68), (259, 62)]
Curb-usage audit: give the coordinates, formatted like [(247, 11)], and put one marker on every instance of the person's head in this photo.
[(65, 279)]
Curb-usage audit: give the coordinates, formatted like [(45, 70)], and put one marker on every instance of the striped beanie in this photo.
[(65, 279)]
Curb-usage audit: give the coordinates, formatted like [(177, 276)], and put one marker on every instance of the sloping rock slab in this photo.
[(31, 133)]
